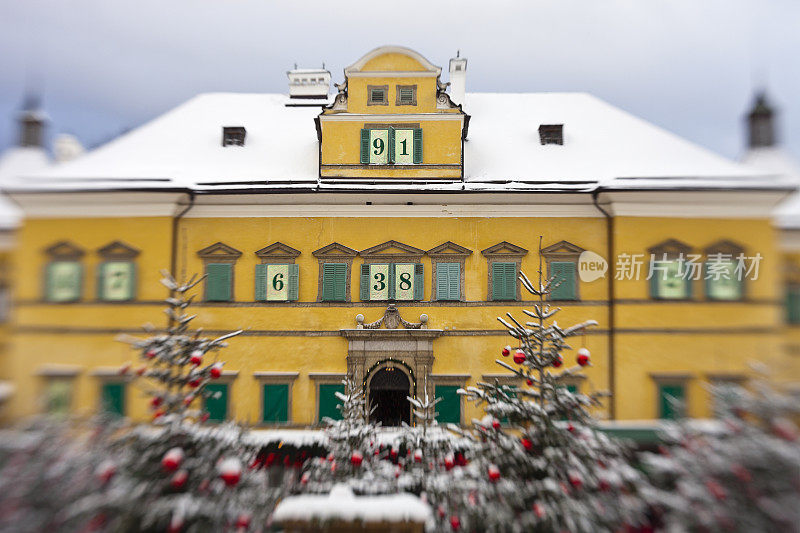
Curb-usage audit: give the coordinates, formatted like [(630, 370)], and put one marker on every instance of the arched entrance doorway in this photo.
[(389, 389)]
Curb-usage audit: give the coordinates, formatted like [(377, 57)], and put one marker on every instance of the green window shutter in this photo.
[(113, 398), (364, 146), (417, 146), (364, 282), (294, 283), (419, 281), (100, 278), (793, 305), (341, 282), (132, 293), (391, 145), (455, 281), (328, 282), (442, 281), (261, 283), (276, 403), (666, 394), (564, 271), (688, 282), (498, 281), (449, 408), (217, 407), (328, 401), (218, 282), (654, 283), (392, 293)]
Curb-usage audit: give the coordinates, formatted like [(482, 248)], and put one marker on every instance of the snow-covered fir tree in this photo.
[(740, 473), (539, 464), (355, 456)]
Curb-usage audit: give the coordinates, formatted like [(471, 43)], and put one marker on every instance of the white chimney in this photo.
[(458, 78), (310, 84), (66, 147)]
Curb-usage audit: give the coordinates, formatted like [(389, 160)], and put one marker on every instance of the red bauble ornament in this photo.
[(529, 382), (575, 481), (330, 457), (583, 357), (230, 470), (194, 383), (527, 444), (150, 354), (204, 417), (418, 456), (538, 510), (557, 362), (455, 523), (570, 428), (440, 511), (356, 459), (105, 471), (494, 473), (158, 414), (216, 370), (603, 485), (506, 351), (243, 521), (519, 357), (495, 423), (156, 401), (449, 461), (304, 478), (141, 370), (178, 480), (196, 358), (172, 459)]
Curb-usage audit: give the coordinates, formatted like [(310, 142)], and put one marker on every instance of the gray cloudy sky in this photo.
[(690, 66)]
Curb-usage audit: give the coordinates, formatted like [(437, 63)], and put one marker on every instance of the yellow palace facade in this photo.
[(379, 233)]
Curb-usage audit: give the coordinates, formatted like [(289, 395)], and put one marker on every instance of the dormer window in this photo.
[(377, 94), (233, 135), (551, 133), (406, 95)]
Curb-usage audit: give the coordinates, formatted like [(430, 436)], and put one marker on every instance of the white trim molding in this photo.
[(100, 204), (693, 204)]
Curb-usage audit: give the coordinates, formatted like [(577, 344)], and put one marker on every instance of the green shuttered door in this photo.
[(219, 282), (564, 272), (449, 408), (334, 282), (217, 408), (328, 401), (113, 398), (276, 403)]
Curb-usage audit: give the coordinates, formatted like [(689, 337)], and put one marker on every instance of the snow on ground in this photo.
[(342, 504)]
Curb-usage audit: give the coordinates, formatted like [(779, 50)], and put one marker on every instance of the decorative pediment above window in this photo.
[(64, 250), (449, 249), (673, 248), (562, 251), (118, 250), (392, 251), (334, 249), (504, 250), (219, 251), (277, 252), (724, 247)]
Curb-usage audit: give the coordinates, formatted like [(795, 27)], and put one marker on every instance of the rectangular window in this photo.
[(219, 282), (448, 281), (116, 281), (63, 281), (216, 405), (391, 146), (449, 408), (793, 305), (392, 281), (58, 395), (276, 403), (404, 281), (112, 396), (334, 282), (406, 95), (328, 401), (670, 396), (722, 281), (565, 273), (377, 95), (277, 283), (504, 281), (669, 281)]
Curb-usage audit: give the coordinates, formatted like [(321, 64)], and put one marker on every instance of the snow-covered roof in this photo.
[(15, 162), (603, 146), (776, 160)]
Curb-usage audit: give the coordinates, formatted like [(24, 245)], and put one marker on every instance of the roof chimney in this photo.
[(458, 78), (32, 120), (761, 123), (309, 84)]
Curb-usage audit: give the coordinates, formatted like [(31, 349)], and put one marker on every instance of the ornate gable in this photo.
[(724, 247), (117, 250), (219, 250), (449, 249), (278, 251), (504, 249), (562, 250), (673, 248), (64, 250), (334, 249), (392, 251)]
